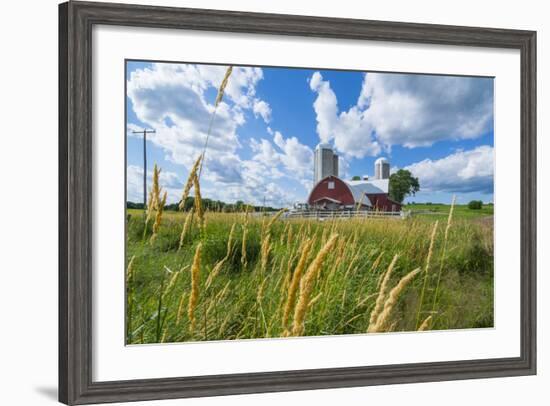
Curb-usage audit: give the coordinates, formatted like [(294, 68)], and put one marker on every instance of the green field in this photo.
[(352, 289), (442, 210)]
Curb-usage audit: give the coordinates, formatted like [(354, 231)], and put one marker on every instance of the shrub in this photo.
[(475, 205)]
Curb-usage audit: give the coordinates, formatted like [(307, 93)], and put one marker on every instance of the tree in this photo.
[(356, 178), (402, 183), (475, 205)]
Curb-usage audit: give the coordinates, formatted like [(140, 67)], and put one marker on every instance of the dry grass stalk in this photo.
[(214, 272), (260, 293), (444, 253), (380, 300), (282, 236), (307, 283), (427, 269), (172, 281), (244, 259), (305, 248), (195, 276), (186, 227), (375, 264), (230, 241), (264, 251), (221, 90), (180, 309), (190, 182), (351, 264), (288, 273), (223, 292), (198, 203), (158, 217), (130, 270), (274, 219), (324, 236), (289, 237), (315, 299), (425, 324), (154, 199), (450, 218), (391, 301), (219, 98), (154, 194)]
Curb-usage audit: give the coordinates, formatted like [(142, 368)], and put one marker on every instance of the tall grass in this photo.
[(274, 292)]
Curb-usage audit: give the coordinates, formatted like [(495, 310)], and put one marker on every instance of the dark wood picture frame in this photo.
[(76, 20)]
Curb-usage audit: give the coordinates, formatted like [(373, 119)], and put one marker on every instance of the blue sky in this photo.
[(271, 119)]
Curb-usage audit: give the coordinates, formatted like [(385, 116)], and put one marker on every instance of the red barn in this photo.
[(333, 193)]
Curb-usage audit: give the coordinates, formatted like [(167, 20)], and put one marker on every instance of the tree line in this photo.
[(210, 205)]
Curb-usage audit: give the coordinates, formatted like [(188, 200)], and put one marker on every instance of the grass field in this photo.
[(247, 276), (460, 211)]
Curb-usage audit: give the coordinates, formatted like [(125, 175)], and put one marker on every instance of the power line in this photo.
[(144, 132)]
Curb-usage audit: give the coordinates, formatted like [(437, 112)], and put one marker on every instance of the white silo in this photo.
[(381, 169), (325, 162)]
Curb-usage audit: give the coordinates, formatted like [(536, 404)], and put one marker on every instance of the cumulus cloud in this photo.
[(286, 154), (297, 158), (169, 181), (277, 158), (409, 110), (171, 99), (460, 172), (261, 108), (418, 110), (350, 132)]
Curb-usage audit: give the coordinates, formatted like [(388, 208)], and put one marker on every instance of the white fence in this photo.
[(343, 214)]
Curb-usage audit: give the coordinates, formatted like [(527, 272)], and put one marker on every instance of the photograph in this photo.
[(282, 202)]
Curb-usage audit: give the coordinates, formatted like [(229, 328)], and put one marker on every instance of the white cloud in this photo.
[(265, 153), (280, 158), (171, 99), (296, 157), (262, 109), (460, 172), (418, 110), (290, 156), (350, 132), (403, 109), (326, 107), (169, 181)]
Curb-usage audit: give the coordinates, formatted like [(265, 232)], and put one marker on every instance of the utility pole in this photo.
[(144, 132)]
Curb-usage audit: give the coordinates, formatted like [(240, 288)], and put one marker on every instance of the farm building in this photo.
[(334, 193)]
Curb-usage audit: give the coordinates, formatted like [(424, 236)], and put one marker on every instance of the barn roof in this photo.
[(371, 187)]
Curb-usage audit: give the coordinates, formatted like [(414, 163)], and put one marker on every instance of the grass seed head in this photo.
[(195, 276), (189, 183), (391, 301), (295, 281), (306, 285), (380, 300), (426, 323), (221, 90), (158, 217), (186, 227)]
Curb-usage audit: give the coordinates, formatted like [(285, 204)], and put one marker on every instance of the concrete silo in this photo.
[(381, 169), (325, 162)]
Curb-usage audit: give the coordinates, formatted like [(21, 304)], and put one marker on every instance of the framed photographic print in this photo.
[(259, 202)]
